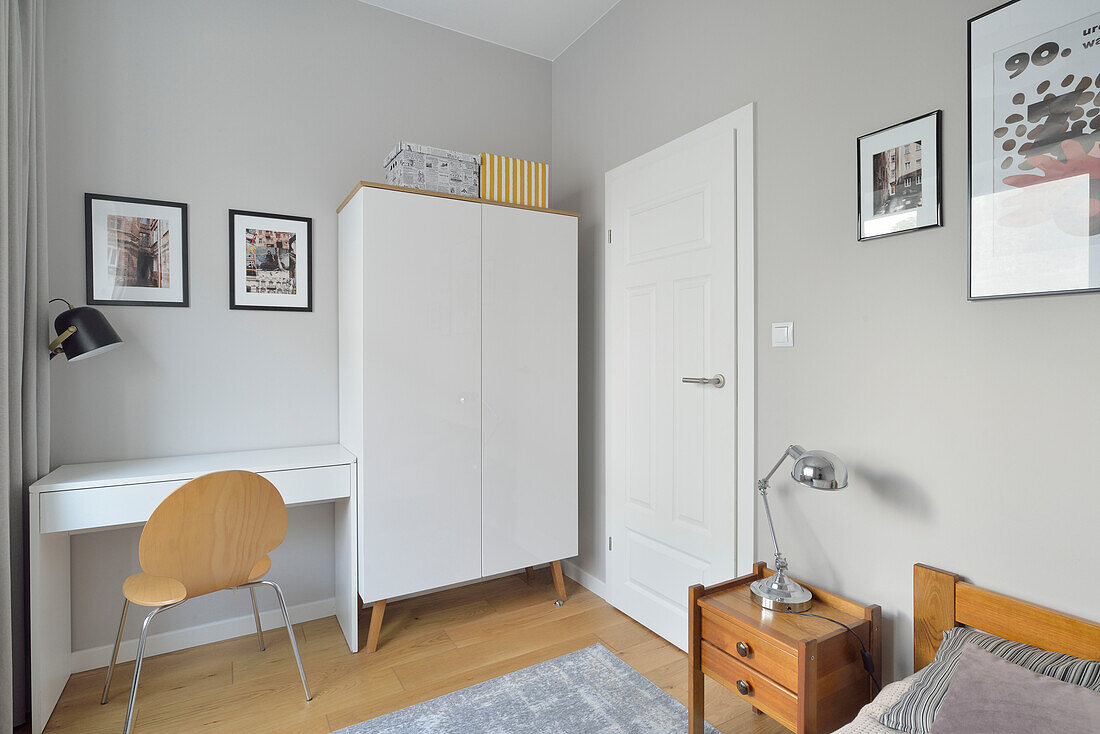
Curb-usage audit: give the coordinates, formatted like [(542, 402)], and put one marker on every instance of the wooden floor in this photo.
[(430, 645)]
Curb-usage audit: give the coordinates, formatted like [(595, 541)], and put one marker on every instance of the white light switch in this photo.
[(783, 334)]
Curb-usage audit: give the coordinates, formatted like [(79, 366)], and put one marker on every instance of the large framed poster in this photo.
[(1035, 149)]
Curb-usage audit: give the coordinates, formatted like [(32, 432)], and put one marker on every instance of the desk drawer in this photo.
[(779, 664), (74, 510), (101, 507), (763, 693)]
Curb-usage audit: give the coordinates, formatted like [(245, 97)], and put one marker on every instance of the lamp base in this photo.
[(780, 593)]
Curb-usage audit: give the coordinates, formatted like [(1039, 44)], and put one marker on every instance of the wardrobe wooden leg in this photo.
[(530, 572), (376, 613), (559, 580)]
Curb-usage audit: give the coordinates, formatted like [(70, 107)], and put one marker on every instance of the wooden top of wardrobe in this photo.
[(387, 187)]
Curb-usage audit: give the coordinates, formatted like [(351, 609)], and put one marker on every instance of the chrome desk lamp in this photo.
[(815, 469)]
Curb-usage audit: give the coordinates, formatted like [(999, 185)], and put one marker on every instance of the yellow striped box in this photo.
[(514, 180)]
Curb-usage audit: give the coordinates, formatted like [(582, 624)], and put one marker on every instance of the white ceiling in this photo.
[(541, 28)]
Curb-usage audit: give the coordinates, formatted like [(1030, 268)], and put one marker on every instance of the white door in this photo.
[(529, 388), (420, 504), (672, 303)]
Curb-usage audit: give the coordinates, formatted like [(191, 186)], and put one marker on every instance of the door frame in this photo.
[(742, 122)]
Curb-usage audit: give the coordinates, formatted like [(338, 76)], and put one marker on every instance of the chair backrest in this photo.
[(212, 531)]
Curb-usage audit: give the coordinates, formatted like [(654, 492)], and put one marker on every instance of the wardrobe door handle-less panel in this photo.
[(529, 388), (416, 420)]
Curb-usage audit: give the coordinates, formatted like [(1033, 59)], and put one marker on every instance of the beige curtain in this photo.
[(24, 396)]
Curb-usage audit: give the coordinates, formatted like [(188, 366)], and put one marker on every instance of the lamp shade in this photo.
[(93, 335), (820, 470)]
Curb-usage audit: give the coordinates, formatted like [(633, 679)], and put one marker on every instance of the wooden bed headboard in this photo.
[(941, 601)]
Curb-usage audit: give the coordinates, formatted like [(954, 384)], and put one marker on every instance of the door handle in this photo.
[(718, 380)]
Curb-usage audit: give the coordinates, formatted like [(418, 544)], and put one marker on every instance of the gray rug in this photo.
[(584, 692)]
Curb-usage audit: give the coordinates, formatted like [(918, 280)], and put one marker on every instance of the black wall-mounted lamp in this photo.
[(82, 332)]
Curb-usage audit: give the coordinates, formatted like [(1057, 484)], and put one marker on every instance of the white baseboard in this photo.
[(584, 578), (98, 657)]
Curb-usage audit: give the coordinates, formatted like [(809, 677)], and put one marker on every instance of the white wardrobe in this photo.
[(458, 386)]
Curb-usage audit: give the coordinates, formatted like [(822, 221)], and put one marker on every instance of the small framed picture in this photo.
[(899, 178), (135, 251), (270, 261)]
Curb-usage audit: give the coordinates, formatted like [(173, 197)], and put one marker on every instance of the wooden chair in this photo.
[(212, 533)]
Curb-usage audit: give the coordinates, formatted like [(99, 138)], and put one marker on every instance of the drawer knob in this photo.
[(743, 687), (742, 649)]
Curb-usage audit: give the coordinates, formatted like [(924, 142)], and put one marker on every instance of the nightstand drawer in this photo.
[(760, 690), (778, 663)]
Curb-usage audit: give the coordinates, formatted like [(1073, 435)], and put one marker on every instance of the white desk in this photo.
[(82, 498)]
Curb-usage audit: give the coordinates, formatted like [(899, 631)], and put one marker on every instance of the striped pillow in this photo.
[(916, 709)]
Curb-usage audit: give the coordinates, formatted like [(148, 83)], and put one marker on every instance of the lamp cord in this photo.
[(53, 300), (864, 653)]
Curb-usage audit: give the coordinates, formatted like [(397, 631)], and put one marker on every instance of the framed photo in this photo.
[(270, 261), (135, 251), (899, 178), (1035, 149)]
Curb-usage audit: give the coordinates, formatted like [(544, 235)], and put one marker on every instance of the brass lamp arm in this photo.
[(55, 345)]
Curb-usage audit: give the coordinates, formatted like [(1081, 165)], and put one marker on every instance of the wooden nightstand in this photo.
[(804, 672)]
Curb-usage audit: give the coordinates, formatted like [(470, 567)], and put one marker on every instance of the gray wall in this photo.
[(967, 426), (273, 105)]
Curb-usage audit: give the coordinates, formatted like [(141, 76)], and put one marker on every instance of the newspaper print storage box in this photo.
[(514, 180), (433, 169)]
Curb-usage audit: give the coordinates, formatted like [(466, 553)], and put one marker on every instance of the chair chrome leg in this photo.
[(256, 614), (137, 664), (290, 633), (114, 653)]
